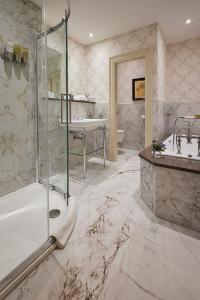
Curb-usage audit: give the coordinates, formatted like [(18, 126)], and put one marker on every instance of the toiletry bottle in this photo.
[(17, 53), (9, 51)]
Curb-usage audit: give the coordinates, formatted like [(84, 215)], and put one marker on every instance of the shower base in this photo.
[(24, 224)]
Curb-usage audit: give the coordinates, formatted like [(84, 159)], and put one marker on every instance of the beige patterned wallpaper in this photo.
[(77, 68), (183, 71), (126, 72), (98, 54), (76, 62)]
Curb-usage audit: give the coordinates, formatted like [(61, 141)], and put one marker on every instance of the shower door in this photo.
[(53, 148)]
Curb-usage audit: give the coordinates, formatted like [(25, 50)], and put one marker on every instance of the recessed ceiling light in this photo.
[(91, 35), (188, 21)]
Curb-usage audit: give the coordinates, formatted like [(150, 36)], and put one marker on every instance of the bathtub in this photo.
[(189, 151), (25, 226)]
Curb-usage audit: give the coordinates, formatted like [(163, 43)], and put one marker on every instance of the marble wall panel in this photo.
[(159, 129), (129, 119), (159, 102), (101, 110), (18, 23), (83, 110), (174, 109), (161, 65)]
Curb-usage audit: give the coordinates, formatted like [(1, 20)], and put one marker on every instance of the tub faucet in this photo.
[(198, 142), (178, 143), (188, 136)]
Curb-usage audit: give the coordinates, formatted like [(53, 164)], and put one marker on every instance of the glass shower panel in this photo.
[(57, 109)]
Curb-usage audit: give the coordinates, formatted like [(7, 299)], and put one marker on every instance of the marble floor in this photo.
[(118, 249)]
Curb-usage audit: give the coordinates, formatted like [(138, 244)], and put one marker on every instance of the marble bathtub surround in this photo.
[(169, 186), (116, 246), (182, 164)]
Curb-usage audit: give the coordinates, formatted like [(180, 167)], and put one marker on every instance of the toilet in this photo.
[(120, 136)]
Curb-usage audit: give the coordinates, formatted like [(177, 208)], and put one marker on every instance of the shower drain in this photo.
[(54, 213)]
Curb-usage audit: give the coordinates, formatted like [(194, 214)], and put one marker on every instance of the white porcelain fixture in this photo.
[(120, 135), (87, 124), (189, 151), (23, 214)]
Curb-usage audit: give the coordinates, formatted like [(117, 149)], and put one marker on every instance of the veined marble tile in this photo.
[(118, 249)]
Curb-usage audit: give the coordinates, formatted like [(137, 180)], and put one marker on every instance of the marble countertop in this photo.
[(182, 164)]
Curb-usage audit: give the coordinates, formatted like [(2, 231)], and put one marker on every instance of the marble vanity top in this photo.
[(182, 164)]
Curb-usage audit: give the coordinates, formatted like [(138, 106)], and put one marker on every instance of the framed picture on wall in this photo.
[(138, 89)]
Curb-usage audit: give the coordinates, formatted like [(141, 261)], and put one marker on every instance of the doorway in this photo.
[(113, 97)]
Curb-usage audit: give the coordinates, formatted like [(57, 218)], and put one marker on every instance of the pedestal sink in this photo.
[(87, 124)]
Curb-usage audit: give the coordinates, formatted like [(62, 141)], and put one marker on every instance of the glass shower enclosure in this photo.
[(34, 182)]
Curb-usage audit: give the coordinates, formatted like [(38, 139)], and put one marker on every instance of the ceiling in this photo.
[(107, 18)]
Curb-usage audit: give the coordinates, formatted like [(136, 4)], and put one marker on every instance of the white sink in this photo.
[(87, 124)]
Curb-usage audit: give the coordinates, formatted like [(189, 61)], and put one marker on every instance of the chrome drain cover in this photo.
[(54, 213)]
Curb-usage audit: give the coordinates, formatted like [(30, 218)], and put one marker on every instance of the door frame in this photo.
[(113, 95)]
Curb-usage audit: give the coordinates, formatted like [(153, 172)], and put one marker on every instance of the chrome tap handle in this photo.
[(174, 132), (189, 138), (178, 144), (198, 142)]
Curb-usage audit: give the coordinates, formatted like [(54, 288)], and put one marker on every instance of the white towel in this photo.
[(80, 97)]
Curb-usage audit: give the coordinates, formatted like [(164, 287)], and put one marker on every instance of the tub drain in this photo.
[(54, 213)]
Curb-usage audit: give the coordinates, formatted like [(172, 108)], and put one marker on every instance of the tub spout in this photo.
[(189, 137), (178, 143)]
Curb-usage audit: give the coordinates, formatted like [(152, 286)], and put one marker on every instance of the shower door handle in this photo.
[(66, 98)]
